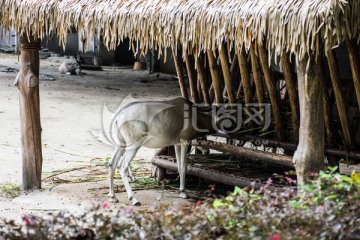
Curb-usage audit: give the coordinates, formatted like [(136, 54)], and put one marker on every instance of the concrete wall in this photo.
[(4, 41)]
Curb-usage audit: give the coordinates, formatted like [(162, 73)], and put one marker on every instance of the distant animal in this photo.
[(70, 66), (155, 124)]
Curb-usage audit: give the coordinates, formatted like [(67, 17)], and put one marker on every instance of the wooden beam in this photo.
[(245, 76), (272, 92), (246, 152), (291, 89), (226, 72), (355, 65), (202, 78), (215, 77), (27, 82), (339, 97), (190, 67), (309, 155), (255, 66), (180, 72)]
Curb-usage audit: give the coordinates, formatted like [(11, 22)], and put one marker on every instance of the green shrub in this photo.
[(326, 208)]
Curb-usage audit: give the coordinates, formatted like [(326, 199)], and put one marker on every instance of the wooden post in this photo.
[(215, 77), (355, 65), (309, 156), (190, 67), (180, 73), (329, 128), (245, 76), (255, 66), (27, 82), (202, 78), (290, 87), (234, 69), (270, 85), (339, 97), (226, 72)]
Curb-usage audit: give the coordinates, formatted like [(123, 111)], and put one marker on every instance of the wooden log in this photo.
[(226, 72), (309, 155), (215, 77), (355, 65), (202, 78), (27, 82), (214, 176), (234, 68), (339, 97), (246, 152), (180, 72), (291, 89), (329, 126), (270, 85), (255, 66), (245, 76), (287, 145), (190, 67)]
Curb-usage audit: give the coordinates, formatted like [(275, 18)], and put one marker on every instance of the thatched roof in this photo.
[(296, 25)]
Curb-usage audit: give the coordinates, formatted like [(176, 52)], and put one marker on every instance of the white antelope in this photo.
[(154, 124)]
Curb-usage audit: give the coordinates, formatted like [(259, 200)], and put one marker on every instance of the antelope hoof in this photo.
[(113, 199), (135, 202), (183, 194)]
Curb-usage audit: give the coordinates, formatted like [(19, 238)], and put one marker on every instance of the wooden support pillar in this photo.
[(355, 66), (245, 76), (180, 72), (309, 156), (215, 76), (190, 67), (27, 82), (234, 69), (329, 128), (255, 66), (226, 72), (202, 78), (291, 89), (270, 85), (339, 97)]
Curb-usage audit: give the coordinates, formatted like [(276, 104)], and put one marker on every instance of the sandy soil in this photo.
[(70, 107)]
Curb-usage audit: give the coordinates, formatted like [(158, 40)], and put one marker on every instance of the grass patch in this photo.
[(10, 190)]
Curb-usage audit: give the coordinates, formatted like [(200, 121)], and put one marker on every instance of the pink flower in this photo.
[(105, 205), (312, 174), (26, 220), (198, 203), (275, 237), (269, 181)]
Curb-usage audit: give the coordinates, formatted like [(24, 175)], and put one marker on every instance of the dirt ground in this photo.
[(70, 106)]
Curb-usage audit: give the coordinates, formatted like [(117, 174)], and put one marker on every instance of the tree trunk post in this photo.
[(309, 156), (27, 82)]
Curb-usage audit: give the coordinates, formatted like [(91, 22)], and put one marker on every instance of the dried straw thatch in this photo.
[(296, 25)]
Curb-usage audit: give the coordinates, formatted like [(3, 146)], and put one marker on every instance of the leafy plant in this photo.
[(326, 208), (10, 190)]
